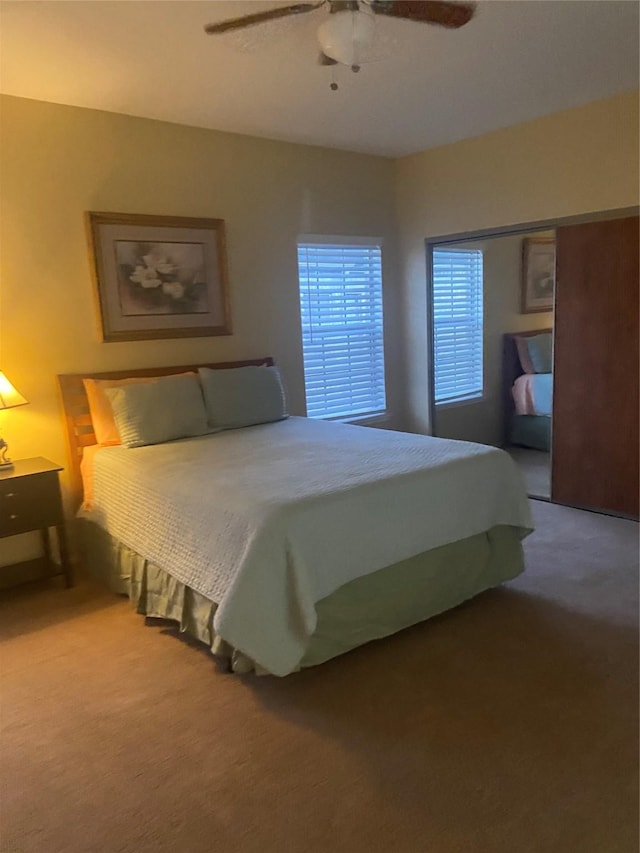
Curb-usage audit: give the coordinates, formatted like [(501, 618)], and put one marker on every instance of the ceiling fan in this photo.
[(345, 36)]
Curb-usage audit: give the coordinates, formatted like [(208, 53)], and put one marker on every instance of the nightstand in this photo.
[(30, 500)]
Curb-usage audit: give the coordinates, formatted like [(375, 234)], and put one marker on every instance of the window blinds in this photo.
[(457, 324), (342, 331)]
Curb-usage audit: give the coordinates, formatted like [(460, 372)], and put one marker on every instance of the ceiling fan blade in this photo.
[(440, 12), (259, 17), (323, 59)]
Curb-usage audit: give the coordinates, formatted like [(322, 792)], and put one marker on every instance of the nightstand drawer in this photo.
[(30, 500), (29, 503)]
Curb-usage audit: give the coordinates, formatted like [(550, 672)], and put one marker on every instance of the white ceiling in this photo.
[(516, 60)]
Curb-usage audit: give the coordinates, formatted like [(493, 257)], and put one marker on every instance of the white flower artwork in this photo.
[(538, 274), (159, 276)]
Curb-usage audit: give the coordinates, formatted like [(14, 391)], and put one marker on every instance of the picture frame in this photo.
[(159, 276), (538, 274)]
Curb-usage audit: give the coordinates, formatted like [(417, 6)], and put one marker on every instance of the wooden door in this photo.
[(595, 401)]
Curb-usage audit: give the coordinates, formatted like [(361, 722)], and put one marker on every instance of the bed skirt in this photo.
[(365, 609), (531, 431)]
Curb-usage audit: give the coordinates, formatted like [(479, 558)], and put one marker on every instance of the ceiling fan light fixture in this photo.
[(347, 35)]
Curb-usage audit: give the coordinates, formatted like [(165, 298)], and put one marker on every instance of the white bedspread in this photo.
[(268, 520)]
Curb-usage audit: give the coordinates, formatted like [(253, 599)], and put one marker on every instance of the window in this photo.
[(457, 324), (342, 334)]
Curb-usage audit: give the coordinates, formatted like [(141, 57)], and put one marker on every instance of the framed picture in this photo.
[(159, 276), (538, 274)]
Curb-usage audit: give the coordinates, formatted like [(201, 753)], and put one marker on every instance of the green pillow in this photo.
[(243, 396), (540, 352), (170, 407)]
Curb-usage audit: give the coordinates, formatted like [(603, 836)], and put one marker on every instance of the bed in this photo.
[(283, 544), (527, 389)]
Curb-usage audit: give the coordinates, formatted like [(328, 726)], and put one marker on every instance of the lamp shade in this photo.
[(346, 36), (9, 397)]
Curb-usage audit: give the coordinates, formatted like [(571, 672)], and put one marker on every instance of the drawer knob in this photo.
[(13, 517), (10, 495)]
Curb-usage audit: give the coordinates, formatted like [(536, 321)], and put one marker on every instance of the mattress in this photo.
[(267, 521)]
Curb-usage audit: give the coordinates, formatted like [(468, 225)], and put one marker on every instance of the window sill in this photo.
[(363, 420), (467, 401)]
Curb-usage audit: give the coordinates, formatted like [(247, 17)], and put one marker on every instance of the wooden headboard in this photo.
[(77, 418), (511, 369)]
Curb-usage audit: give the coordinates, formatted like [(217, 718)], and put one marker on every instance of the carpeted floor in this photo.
[(535, 466), (505, 726)]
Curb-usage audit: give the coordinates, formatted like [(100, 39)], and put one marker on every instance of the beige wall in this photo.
[(569, 163), (58, 162), (482, 420)]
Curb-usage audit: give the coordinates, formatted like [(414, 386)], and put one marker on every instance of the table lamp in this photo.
[(9, 398)]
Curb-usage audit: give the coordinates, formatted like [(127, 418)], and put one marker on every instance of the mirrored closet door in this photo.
[(535, 349), (492, 322)]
